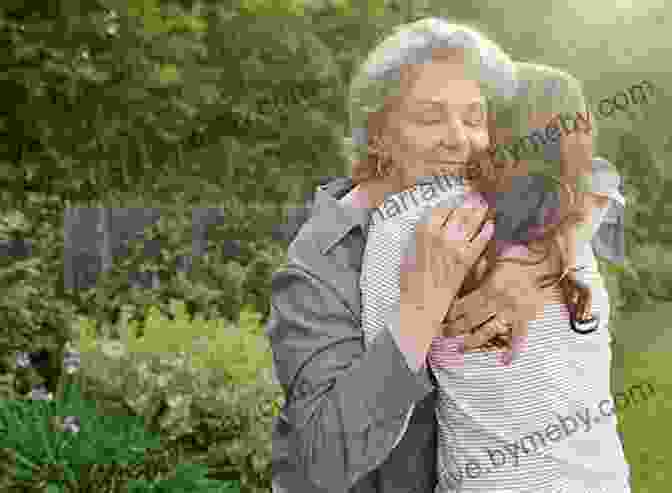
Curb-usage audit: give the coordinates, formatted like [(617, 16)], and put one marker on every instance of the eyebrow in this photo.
[(479, 102)]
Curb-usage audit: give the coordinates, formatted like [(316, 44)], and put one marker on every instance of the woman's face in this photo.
[(439, 122)]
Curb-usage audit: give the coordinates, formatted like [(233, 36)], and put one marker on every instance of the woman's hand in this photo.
[(499, 311), (436, 264)]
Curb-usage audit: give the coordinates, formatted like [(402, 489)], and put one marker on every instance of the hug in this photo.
[(408, 348)]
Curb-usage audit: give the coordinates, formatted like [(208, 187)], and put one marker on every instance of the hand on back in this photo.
[(505, 302)]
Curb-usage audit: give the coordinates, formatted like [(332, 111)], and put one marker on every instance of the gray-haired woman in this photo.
[(362, 420)]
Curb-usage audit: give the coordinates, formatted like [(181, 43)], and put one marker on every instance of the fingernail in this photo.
[(407, 264), (505, 358), (519, 343), (473, 200)]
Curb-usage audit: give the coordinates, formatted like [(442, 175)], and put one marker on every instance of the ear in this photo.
[(408, 74), (376, 125)]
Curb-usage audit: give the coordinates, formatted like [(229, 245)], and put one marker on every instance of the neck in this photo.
[(370, 194)]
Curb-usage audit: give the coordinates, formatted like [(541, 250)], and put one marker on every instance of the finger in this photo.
[(461, 326), (517, 345), (501, 329), (428, 228), (466, 217), (455, 229), (518, 326), (579, 304), (589, 303), (586, 304), (471, 311), (477, 245), (473, 213), (480, 337), (441, 214)]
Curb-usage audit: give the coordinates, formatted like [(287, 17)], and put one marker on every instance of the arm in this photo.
[(577, 174), (506, 290), (346, 407)]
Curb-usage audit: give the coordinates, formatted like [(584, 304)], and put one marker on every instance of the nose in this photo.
[(452, 135)]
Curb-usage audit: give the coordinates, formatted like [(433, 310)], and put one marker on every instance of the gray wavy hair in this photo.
[(379, 76)]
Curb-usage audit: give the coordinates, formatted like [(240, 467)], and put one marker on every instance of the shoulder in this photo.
[(329, 245)]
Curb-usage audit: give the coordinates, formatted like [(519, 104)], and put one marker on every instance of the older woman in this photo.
[(346, 424), (360, 412)]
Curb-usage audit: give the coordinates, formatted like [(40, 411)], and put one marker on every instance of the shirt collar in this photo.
[(337, 219)]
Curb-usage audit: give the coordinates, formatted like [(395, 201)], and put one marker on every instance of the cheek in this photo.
[(480, 139), (413, 139)]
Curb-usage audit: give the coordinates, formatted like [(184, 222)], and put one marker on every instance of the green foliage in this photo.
[(206, 386), (39, 451), (182, 104), (645, 436), (35, 309), (211, 344), (217, 287), (99, 456), (142, 103), (113, 100), (187, 477)]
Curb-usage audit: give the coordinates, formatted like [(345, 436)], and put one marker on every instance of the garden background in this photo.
[(221, 117)]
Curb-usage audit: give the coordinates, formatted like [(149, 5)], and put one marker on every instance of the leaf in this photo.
[(54, 488), (169, 74)]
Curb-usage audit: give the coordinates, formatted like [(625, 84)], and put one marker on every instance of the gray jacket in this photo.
[(346, 407)]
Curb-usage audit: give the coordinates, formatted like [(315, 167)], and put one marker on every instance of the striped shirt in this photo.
[(508, 429)]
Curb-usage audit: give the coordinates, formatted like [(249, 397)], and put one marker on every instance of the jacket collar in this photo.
[(337, 219)]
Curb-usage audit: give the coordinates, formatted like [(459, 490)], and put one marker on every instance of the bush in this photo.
[(42, 446), (205, 385), (218, 286)]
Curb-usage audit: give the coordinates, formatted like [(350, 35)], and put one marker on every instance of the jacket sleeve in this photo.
[(346, 407), (609, 240)]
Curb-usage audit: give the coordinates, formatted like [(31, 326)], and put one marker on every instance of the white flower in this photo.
[(113, 349), (22, 360), (39, 393), (71, 424), (71, 361), (176, 400)]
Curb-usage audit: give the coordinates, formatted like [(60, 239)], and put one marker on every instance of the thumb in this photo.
[(476, 247), (518, 345)]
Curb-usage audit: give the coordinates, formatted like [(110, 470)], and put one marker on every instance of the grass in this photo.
[(646, 341)]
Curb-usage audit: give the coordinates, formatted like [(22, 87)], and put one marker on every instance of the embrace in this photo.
[(416, 344)]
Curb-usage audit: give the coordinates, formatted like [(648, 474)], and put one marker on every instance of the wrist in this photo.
[(428, 313)]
